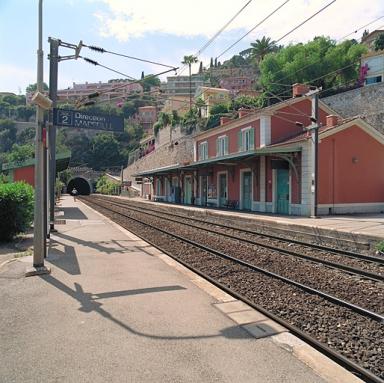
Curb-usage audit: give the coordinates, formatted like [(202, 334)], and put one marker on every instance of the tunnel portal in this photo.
[(80, 184)]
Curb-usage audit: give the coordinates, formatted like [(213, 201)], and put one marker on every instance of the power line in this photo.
[(102, 50), (305, 21), (251, 30), (209, 42), (364, 26), (93, 62)]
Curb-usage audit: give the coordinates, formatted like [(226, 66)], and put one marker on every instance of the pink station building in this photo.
[(264, 162)]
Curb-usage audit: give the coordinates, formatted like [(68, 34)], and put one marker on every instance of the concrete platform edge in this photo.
[(319, 363)]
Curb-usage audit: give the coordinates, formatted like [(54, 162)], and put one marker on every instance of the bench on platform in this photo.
[(231, 204)]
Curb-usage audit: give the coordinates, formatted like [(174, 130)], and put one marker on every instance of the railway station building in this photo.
[(264, 161)]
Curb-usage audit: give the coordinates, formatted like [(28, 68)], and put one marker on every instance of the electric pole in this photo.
[(315, 152), (53, 69), (54, 60)]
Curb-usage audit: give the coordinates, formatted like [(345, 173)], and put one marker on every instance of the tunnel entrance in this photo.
[(80, 184)]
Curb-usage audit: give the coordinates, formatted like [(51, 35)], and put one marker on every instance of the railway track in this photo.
[(358, 264), (345, 331)]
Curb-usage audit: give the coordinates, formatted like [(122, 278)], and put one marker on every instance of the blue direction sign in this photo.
[(83, 120)]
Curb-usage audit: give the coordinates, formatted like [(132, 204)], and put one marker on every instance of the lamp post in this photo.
[(39, 235)]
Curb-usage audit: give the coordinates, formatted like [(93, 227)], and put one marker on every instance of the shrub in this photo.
[(380, 246), (16, 209), (105, 186)]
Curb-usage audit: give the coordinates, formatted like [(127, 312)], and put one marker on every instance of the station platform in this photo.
[(359, 231), (115, 309)]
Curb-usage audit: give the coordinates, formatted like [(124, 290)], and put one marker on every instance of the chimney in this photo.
[(243, 112), (224, 120), (332, 120), (299, 90)]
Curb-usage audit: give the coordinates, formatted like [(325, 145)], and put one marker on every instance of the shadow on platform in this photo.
[(72, 213), (89, 304), (117, 246), (65, 260)]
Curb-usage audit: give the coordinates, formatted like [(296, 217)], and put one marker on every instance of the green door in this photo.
[(247, 191), (204, 190), (188, 191), (282, 196), (222, 189)]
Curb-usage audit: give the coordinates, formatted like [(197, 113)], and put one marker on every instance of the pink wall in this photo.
[(26, 174), (281, 128), (351, 168)]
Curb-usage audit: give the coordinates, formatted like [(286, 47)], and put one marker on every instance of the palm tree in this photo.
[(259, 49), (200, 104), (189, 60)]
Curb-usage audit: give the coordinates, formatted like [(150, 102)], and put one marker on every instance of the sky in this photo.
[(159, 30)]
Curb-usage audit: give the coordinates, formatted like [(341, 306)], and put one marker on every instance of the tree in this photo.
[(7, 135), (149, 81), (259, 49), (235, 62), (129, 109), (189, 60), (105, 151), (32, 87), (26, 136), (80, 145), (20, 153), (201, 67), (379, 42), (24, 113), (10, 99), (246, 102), (200, 104), (321, 62)]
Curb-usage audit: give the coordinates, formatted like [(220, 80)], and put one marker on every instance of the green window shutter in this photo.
[(217, 147), (240, 140), (252, 139), (226, 145)]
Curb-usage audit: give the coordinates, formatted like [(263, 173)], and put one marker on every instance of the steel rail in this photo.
[(351, 254), (351, 270), (355, 308), (363, 373)]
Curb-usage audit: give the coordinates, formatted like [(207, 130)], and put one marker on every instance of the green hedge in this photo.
[(16, 209)]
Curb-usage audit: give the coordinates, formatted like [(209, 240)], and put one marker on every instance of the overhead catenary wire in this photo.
[(217, 34), (93, 62), (364, 26), (251, 30), (102, 50), (210, 41), (305, 21)]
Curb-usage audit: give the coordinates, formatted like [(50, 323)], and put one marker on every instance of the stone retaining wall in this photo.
[(367, 101)]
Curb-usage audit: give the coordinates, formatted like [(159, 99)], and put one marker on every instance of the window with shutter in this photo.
[(222, 146), (248, 139), (240, 140), (203, 151)]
